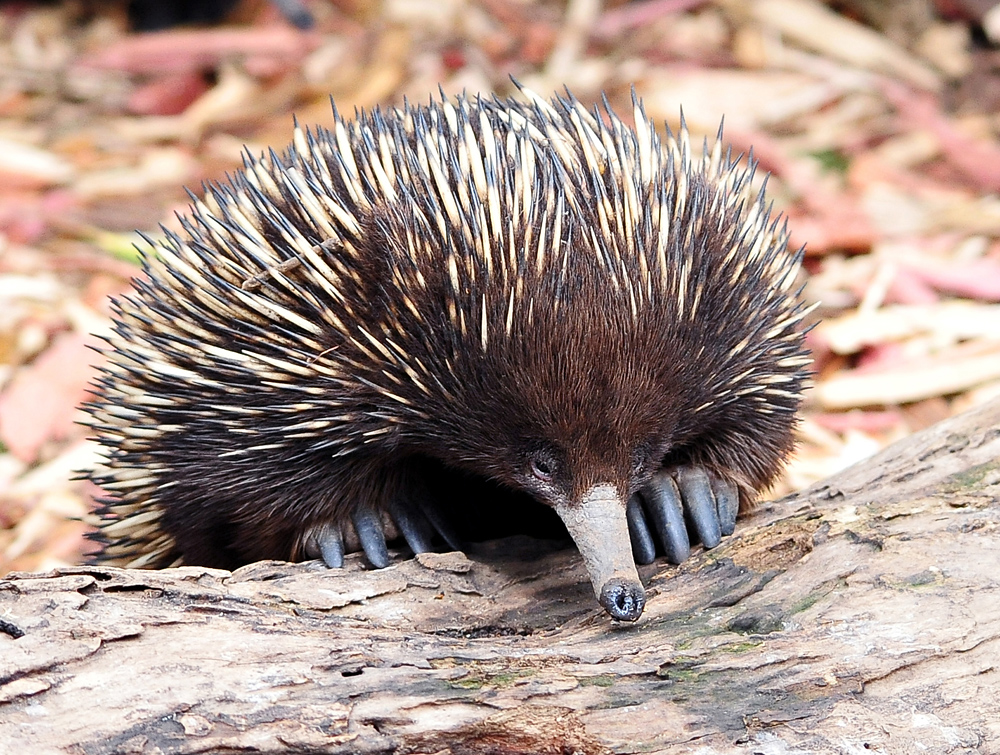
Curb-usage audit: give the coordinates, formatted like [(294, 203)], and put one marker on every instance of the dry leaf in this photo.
[(40, 403)]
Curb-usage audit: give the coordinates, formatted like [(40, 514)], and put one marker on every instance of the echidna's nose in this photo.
[(622, 599), (599, 528)]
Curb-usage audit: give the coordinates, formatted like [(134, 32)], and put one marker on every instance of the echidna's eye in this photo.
[(543, 467)]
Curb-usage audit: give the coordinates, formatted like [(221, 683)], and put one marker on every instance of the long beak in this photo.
[(598, 526)]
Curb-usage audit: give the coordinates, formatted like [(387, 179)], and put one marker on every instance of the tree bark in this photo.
[(861, 615)]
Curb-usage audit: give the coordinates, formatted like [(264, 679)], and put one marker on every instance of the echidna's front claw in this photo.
[(699, 504), (327, 542), (368, 525), (727, 500), (664, 508), (416, 530), (643, 545), (416, 518), (440, 523), (684, 505)]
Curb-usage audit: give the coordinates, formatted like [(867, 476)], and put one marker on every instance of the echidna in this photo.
[(530, 292)]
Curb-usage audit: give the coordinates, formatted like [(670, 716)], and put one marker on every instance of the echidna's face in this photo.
[(560, 475), (592, 440), (568, 403)]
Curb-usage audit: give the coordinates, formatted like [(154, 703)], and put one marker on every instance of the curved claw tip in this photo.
[(623, 599)]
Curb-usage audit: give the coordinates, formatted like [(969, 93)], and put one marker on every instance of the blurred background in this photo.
[(878, 120)]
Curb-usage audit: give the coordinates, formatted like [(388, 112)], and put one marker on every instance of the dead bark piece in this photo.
[(860, 615)]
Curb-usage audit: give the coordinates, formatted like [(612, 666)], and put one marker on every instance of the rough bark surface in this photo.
[(862, 615)]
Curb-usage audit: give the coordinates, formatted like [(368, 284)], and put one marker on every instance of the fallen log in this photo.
[(860, 615)]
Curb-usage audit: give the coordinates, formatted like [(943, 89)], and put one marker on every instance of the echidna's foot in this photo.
[(681, 505), (327, 541), (418, 520), (414, 526)]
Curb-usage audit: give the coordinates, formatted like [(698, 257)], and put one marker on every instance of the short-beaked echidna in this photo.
[(528, 292)]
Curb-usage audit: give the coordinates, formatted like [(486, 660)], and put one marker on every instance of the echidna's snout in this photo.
[(623, 599), (599, 528)]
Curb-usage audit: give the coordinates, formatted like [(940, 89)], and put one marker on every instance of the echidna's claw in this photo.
[(440, 523), (643, 545), (663, 505), (684, 505), (327, 542), (727, 501), (699, 504), (416, 519), (368, 525), (413, 526)]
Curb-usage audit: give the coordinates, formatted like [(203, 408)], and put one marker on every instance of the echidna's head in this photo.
[(579, 409)]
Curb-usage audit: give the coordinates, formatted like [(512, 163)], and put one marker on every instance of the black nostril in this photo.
[(623, 599)]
